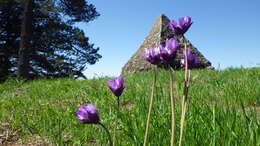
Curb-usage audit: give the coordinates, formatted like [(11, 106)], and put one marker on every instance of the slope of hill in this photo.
[(224, 110)]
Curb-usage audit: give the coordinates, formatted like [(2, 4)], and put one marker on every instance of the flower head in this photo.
[(168, 53), (153, 56), (182, 27), (192, 59), (116, 86), (88, 114)]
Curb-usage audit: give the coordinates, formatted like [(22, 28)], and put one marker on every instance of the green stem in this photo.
[(116, 121), (184, 108), (185, 96), (150, 108), (107, 131), (214, 124), (114, 135), (172, 107), (118, 105)]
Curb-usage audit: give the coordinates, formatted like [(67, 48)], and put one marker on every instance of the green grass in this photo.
[(224, 109)]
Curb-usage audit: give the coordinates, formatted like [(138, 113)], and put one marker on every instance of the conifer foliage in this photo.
[(53, 45)]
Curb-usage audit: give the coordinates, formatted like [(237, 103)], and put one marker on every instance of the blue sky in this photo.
[(226, 32)]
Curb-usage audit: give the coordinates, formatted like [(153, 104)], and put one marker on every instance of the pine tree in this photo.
[(57, 48)]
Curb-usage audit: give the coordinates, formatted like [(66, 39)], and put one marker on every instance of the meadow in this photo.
[(224, 110)]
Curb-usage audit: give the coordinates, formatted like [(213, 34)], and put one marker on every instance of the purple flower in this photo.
[(182, 27), (116, 86), (153, 56), (88, 114), (192, 59), (168, 53)]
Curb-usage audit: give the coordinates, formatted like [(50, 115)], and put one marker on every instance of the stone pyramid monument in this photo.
[(157, 35)]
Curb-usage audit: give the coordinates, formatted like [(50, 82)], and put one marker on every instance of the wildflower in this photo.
[(153, 56), (168, 53), (192, 59), (182, 27), (88, 114), (116, 86)]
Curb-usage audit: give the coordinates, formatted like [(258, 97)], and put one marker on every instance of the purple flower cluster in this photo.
[(165, 54), (181, 27), (192, 60), (162, 54)]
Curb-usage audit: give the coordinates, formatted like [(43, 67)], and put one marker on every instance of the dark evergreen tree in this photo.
[(57, 47), (25, 45), (10, 18)]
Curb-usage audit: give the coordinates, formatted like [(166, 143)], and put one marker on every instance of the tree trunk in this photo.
[(25, 48)]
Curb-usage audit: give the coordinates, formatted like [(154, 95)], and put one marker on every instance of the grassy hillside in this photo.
[(224, 110)]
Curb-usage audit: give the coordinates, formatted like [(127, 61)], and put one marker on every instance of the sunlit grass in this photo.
[(224, 109)]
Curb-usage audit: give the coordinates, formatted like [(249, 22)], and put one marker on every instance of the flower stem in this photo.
[(118, 105), (117, 120), (150, 107), (172, 107), (185, 96), (107, 131)]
